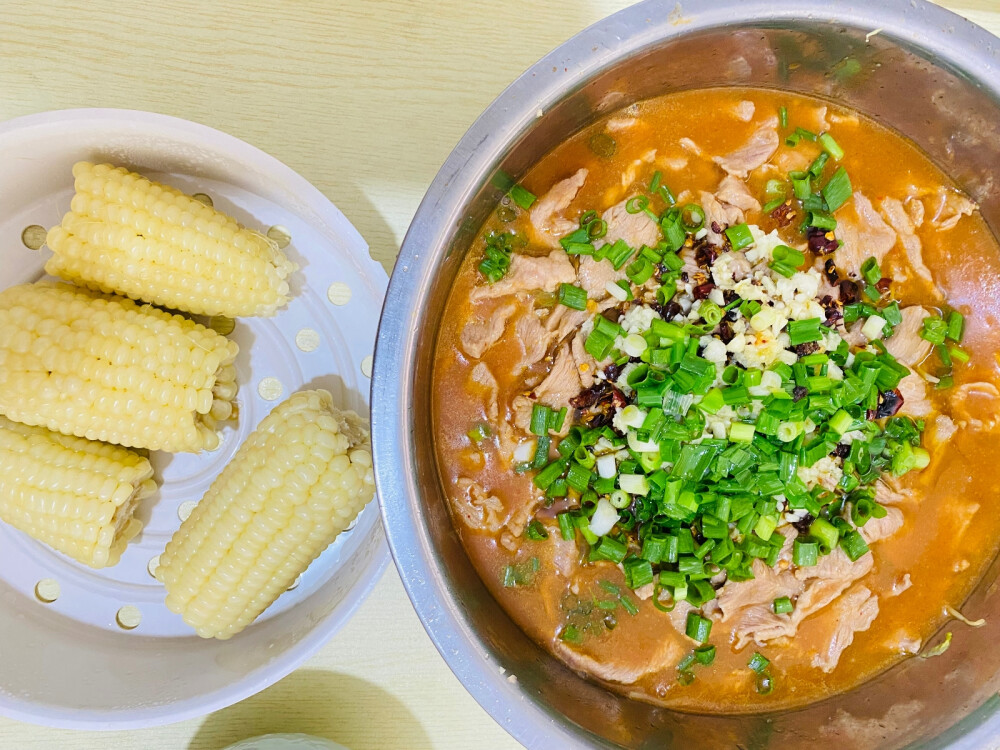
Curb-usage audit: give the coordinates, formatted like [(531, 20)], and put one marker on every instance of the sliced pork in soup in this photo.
[(712, 397)]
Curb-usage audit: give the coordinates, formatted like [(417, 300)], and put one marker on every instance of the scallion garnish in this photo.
[(522, 197), (698, 628), (783, 606), (837, 190), (831, 146), (758, 662), (693, 217), (479, 433), (535, 531), (956, 326), (705, 654), (739, 236), (572, 296)]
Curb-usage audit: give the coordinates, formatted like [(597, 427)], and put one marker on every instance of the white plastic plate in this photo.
[(98, 649)]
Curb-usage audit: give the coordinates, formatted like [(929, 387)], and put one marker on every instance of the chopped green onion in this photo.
[(522, 197), (826, 534), (572, 296), (698, 628), (783, 116), (783, 606), (956, 326), (566, 528), (578, 248), (619, 253), (479, 433), (801, 184), (598, 345), (638, 573), (821, 220), (712, 401), (557, 419), (640, 272), (629, 605), (841, 422), (831, 146), (579, 477), (765, 683), (597, 229), (934, 330), (739, 236), (711, 313), (838, 190), (693, 217), (944, 355), (758, 662), (870, 271), (892, 314), (637, 204), (548, 475), (854, 545), (741, 432), (608, 549), (539, 419), (705, 654), (805, 553), (775, 189), (771, 205), (805, 331), (541, 452), (570, 634), (619, 499), (535, 531), (816, 168), (958, 354)]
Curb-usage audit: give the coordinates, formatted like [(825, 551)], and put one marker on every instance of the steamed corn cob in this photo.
[(75, 495), (104, 368), (297, 482), (125, 234)]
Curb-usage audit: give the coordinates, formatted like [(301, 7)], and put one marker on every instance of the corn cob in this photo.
[(104, 368), (75, 495), (299, 480), (125, 234)]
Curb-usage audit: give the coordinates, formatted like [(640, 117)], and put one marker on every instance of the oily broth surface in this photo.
[(951, 528)]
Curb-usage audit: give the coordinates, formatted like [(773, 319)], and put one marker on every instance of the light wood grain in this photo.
[(365, 98)]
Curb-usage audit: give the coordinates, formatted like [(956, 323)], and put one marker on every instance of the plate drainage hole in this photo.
[(203, 198), (307, 340), (279, 236), (47, 590), (270, 389), (339, 293), (128, 617), (153, 565), (183, 511), (33, 237)]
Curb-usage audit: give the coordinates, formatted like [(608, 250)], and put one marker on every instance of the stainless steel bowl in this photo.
[(925, 72)]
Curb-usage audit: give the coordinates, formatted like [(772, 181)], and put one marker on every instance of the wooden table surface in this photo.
[(365, 98)]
